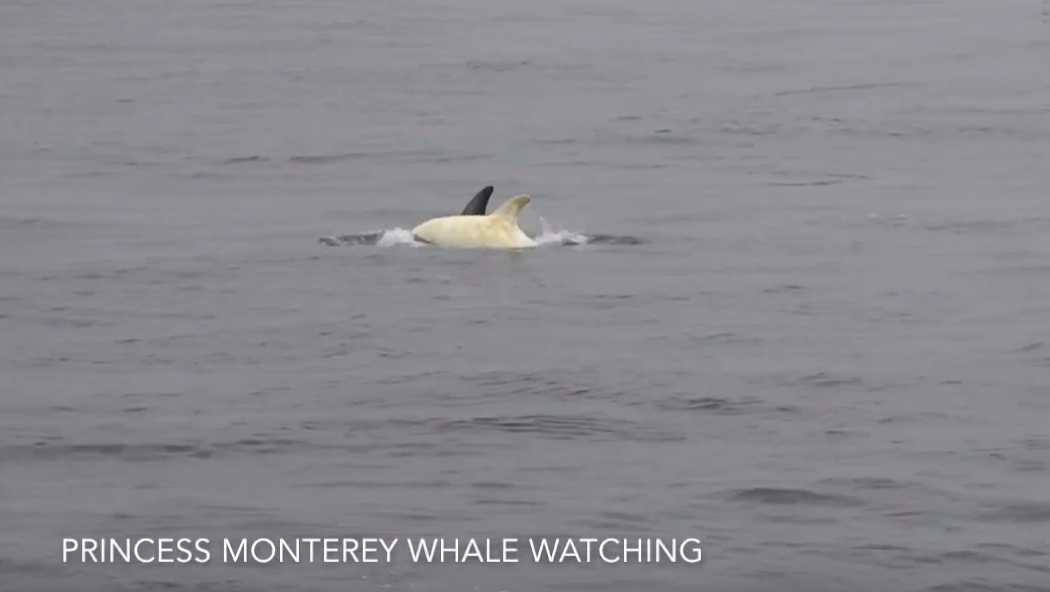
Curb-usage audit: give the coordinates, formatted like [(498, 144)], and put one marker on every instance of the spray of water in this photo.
[(397, 236), (549, 235)]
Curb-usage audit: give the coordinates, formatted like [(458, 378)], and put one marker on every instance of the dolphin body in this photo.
[(475, 230)]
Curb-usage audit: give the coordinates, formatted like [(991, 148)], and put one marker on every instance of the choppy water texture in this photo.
[(827, 355)]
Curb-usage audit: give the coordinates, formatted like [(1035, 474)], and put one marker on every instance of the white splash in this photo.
[(397, 236), (549, 235)]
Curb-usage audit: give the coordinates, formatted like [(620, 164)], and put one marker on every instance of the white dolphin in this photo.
[(498, 230)]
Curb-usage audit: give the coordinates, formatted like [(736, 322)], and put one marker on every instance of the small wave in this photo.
[(723, 406), (826, 380), (245, 159), (786, 496), (1025, 512), (325, 158), (497, 65), (613, 239), (563, 427)]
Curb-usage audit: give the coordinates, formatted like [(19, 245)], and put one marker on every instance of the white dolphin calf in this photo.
[(498, 230)]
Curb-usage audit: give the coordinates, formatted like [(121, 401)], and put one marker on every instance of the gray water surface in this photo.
[(828, 357)]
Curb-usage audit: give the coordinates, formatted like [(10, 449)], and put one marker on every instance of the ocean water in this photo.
[(812, 329)]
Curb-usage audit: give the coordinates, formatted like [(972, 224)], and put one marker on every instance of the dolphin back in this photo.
[(498, 230), (511, 209)]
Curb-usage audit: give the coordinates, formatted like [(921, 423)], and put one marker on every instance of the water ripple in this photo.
[(794, 497)]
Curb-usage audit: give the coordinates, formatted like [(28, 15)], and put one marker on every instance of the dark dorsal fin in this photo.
[(476, 206)]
